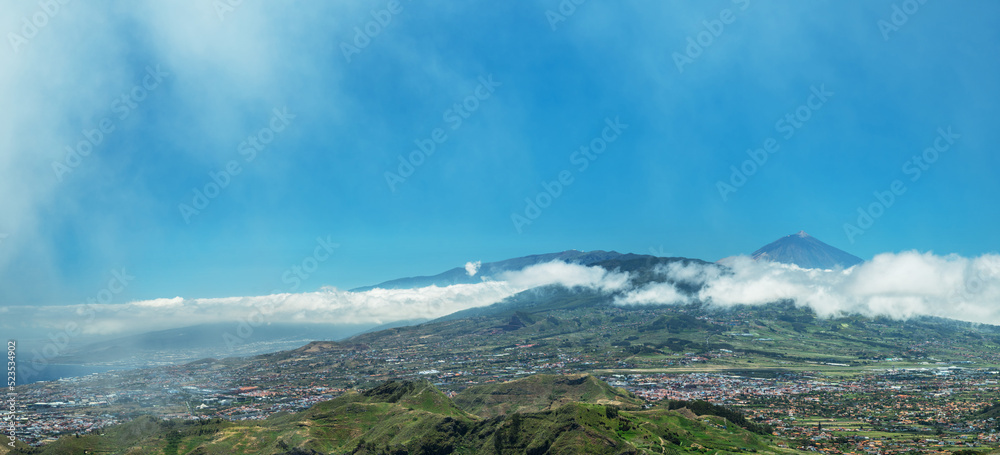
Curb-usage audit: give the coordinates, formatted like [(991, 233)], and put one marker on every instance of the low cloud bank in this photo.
[(328, 306), (898, 285)]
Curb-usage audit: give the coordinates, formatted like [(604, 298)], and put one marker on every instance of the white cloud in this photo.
[(899, 285), (654, 293), (568, 275), (472, 267), (160, 303)]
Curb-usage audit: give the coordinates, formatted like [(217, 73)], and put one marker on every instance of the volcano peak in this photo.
[(805, 251)]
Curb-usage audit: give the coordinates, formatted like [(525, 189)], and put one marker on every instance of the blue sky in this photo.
[(655, 189)]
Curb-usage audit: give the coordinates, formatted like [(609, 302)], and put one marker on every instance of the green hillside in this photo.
[(551, 414), (541, 393)]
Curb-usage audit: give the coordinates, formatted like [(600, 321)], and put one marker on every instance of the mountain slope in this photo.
[(554, 297), (459, 275), (805, 251)]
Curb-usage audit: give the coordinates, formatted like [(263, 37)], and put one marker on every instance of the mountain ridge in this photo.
[(459, 275)]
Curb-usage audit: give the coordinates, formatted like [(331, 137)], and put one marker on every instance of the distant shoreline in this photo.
[(55, 371)]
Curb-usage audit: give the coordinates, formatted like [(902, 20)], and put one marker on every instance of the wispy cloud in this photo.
[(71, 73)]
